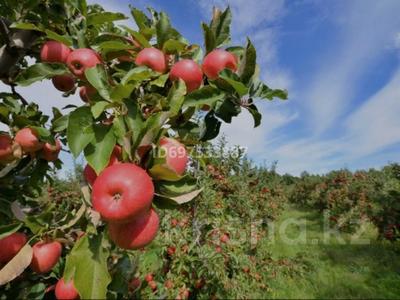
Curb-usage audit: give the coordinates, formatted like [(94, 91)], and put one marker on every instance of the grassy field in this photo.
[(332, 269)]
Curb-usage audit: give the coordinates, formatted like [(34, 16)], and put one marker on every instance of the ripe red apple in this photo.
[(149, 277), (224, 238), (45, 256), (134, 284), (171, 250), (86, 92), (28, 139), (66, 290), (10, 246), (89, 174), (153, 285), (218, 60), (63, 83), (81, 59), (152, 58), (177, 156), (54, 52), (189, 71), (6, 150), (122, 192), (50, 152), (136, 234)]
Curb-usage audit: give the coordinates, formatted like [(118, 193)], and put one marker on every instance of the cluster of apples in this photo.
[(123, 192), (26, 141), (187, 69), (77, 61), (45, 256)]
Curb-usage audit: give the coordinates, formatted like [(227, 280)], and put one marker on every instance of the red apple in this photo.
[(152, 58), (81, 59), (153, 285), (63, 83), (224, 238), (50, 152), (136, 234), (86, 92), (89, 174), (10, 246), (149, 277), (28, 139), (218, 60), (45, 256), (134, 284), (122, 192), (66, 290), (6, 150), (54, 52), (175, 155), (189, 71)]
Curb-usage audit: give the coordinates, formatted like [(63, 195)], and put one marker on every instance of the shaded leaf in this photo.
[(210, 127), (104, 17), (39, 72), (86, 264), (17, 265), (80, 131), (99, 150), (248, 64)]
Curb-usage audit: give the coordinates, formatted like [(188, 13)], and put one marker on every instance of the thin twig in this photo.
[(23, 100)]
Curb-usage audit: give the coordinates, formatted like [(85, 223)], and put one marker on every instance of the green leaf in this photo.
[(134, 121), (239, 87), (60, 124), (255, 113), (114, 46), (160, 81), (220, 26), (261, 90), (98, 78), (44, 134), (142, 21), (6, 230), (185, 185), (206, 95), (210, 127), (104, 17), (165, 31), (67, 40), (99, 150), (98, 108), (25, 26), (227, 110), (39, 72), (86, 264), (176, 96), (138, 74), (173, 46), (140, 38), (122, 91), (80, 131), (209, 38), (248, 64), (160, 171)]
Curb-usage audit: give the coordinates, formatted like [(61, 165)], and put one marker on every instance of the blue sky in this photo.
[(339, 61)]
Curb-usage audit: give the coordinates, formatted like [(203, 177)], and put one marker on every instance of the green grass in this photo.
[(331, 269)]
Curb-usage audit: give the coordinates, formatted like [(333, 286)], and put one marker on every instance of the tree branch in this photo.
[(11, 53), (23, 100)]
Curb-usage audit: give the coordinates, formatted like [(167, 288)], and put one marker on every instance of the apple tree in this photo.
[(149, 97)]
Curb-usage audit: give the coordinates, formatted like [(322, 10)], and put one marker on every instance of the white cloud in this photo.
[(247, 14), (366, 28)]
